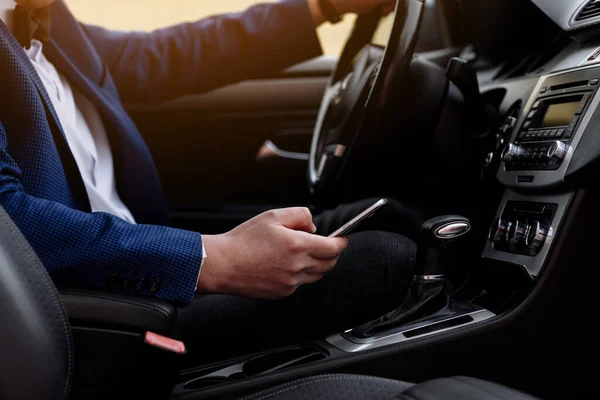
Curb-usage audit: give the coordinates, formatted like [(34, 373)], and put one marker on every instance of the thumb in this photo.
[(297, 218)]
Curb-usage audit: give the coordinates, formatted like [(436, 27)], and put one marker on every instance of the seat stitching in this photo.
[(28, 252)]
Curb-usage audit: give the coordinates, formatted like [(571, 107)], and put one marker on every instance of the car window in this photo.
[(147, 15), (384, 31)]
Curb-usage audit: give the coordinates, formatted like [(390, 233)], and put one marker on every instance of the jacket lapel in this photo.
[(88, 87), (68, 35), (26, 63), (69, 164)]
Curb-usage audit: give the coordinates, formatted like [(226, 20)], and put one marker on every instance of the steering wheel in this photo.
[(359, 86)]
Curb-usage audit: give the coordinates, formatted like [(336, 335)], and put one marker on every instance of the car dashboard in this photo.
[(551, 148)]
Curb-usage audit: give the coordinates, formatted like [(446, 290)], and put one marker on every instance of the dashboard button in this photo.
[(544, 89), (553, 133), (539, 135), (531, 114), (536, 105), (513, 152), (560, 133), (546, 134), (522, 134), (582, 104), (525, 178), (511, 122), (594, 81), (499, 230), (517, 232), (526, 125), (558, 151), (536, 237), (571, 129), (574, 122), (568, 133)]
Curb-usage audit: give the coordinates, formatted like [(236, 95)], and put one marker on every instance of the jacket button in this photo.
[(154, 286)]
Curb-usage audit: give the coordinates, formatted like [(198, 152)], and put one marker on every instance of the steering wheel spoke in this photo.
[(358, 81)]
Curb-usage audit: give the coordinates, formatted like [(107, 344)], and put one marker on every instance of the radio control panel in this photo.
[(547, 135), (541, 156), (544, 139)]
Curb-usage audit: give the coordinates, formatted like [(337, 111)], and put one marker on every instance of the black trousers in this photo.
[(370, 279)]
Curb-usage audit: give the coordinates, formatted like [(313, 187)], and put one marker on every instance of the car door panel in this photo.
[(210, 148)]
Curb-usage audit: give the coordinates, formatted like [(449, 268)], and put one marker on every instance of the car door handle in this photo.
[(270, 150)]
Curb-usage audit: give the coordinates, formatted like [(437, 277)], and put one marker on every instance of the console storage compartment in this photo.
[(250, 366)]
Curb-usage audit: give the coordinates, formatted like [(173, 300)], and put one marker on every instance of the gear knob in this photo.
[(436, 235)]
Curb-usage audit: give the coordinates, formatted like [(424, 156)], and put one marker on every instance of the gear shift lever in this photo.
[(436, 235), (426, 294)]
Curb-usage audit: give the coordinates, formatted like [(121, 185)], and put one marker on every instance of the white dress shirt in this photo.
[(84, 130), (85, 134)]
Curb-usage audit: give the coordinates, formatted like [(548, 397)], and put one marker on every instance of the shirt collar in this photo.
[(35, 51)]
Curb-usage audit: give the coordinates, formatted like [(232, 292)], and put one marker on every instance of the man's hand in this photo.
[(350, 6), (268, 257)]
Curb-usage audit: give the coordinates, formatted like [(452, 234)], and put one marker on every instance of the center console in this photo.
[(538, 164)]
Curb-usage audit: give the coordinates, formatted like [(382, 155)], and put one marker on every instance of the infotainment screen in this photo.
[(560, 114)]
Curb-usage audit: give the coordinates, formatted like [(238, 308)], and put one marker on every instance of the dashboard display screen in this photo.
[(560, 114)]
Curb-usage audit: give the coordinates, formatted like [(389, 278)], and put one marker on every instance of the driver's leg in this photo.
[(371, 277), (394, 217)]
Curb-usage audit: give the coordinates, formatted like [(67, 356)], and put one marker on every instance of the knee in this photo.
[(383, 251)]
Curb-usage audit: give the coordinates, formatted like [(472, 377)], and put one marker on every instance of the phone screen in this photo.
[(360, 218)]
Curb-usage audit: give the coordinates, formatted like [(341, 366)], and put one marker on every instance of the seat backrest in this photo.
[(36, 353)]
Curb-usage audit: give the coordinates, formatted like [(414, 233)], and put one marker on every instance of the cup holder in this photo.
[(257, 365)]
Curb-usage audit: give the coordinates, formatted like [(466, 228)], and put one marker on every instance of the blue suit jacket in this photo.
[(40, 184)]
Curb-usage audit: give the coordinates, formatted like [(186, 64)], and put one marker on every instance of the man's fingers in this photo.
[(309, 277), (321, 266), (297, 218), (323, 247)]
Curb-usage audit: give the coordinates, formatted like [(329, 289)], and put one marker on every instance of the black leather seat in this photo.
[(36, 349), (356, 387)]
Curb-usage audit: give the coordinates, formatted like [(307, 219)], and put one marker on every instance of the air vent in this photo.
[(591, 10)]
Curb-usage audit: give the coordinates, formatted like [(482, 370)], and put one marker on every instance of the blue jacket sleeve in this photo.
[(213, 52), (98, 248)]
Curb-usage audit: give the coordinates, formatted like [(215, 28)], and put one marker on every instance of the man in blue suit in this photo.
[(77, 178)]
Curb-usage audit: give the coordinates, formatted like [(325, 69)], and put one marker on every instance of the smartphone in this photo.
[(359, 219)]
